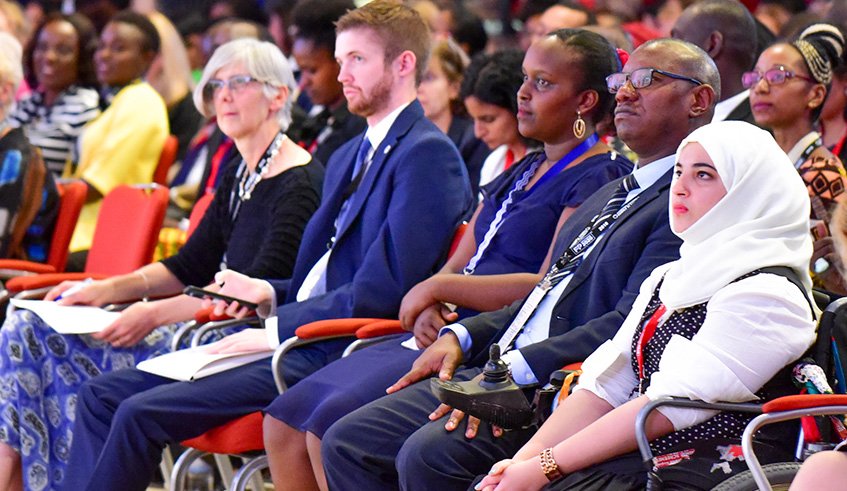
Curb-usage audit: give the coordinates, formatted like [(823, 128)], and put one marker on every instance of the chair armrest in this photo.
[(203, 316), (12, 268), (22, 283), (379, 328), (332, 327)]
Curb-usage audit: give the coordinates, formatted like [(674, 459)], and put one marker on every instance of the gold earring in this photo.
[(579, 126)]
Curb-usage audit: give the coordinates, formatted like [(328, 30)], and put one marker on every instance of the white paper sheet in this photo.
[(69, 319)]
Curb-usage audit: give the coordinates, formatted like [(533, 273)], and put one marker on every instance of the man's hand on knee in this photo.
[(456, 418)]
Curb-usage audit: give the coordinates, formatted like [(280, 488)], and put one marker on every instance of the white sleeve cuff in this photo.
[(521, 373), (608, 374), (261, 311), (272, 331), (462, 333)]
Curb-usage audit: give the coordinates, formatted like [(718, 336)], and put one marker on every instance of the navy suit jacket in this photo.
[(601, 292), (399, 225)]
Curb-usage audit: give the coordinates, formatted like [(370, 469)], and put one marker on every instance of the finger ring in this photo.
[(821, 265)]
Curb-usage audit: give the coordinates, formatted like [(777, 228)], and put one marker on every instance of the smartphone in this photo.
[(194, 291)]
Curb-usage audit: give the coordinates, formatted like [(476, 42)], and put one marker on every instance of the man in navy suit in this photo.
[(392, 443), (392, 200)]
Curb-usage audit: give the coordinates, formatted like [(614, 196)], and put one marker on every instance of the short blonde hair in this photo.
[(11, 66), (263, 61)]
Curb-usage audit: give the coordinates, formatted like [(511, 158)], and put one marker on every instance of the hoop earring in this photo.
[(579, 126)]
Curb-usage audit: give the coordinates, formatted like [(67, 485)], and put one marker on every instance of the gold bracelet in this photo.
[(146, 295), (549, 465)]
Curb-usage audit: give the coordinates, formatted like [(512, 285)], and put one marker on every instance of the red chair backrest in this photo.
[(73, 197), (197, 213), (166, 160), (127, 229)]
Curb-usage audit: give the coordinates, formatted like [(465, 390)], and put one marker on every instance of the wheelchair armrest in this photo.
[(804, 401), (641, 419)]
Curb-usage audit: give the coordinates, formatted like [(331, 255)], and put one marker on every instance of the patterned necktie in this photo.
[(612, 206), (359, 169)]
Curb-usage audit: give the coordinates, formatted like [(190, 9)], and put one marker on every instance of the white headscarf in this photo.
[(762, 221)]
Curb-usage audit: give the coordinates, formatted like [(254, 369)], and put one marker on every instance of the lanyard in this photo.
[(807, 152), (645, 337), (569, 261), (506, 207), (564, 162)]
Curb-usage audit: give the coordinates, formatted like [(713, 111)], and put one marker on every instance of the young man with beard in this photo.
[(392, 199)]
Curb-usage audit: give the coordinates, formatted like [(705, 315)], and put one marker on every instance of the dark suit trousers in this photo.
[(391, 443), (124, 419)]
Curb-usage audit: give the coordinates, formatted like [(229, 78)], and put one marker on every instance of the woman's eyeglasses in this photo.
[(641, 78), (774, 76), (236, 84)]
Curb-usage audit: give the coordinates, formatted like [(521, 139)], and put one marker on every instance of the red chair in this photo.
[(72, 198), (126, 233), (197, 212), (245, 434), (166, 160)]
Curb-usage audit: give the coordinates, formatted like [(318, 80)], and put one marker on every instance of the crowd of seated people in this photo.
[(622, 208)]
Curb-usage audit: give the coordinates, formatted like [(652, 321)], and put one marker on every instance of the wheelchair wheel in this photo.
[(779, 475)]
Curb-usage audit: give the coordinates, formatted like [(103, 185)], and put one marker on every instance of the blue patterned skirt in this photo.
[(40, 374)]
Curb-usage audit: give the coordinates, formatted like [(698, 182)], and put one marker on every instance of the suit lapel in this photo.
[(399, 129), (587, 266)]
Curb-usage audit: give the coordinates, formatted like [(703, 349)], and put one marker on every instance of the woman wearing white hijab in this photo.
[(710, 326)]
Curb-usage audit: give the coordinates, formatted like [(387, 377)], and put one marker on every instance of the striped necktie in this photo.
[(612, 206)]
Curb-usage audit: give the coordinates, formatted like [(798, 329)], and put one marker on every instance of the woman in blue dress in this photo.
[(497, 262), (253, 225)]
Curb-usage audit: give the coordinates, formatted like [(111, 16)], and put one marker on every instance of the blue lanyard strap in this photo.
[(564, 162)]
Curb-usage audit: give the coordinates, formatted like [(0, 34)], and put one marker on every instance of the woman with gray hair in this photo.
[(253, 225), (29, 200)]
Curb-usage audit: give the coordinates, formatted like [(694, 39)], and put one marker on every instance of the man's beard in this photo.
[(368, 104)]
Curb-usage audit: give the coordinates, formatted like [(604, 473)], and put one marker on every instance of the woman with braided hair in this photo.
[(788, 87)]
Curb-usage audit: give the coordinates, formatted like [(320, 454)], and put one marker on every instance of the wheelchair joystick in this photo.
[(495, 399), (495, 374)]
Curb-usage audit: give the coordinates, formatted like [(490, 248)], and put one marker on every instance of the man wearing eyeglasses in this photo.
[(667, 89)]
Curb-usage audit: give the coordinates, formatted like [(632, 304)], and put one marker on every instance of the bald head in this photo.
[(654, 119), (685, 58), (725, 29), (559, 16)]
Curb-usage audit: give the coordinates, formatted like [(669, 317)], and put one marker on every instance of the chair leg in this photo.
[(225, 469), (166, 466), (250, 469), (180, 472)]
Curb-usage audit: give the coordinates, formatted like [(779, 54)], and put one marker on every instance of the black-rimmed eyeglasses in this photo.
[(641, 78)]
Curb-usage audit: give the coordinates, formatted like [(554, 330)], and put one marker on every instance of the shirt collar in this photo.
[(377, 132), (723, 108), (648, 174)]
